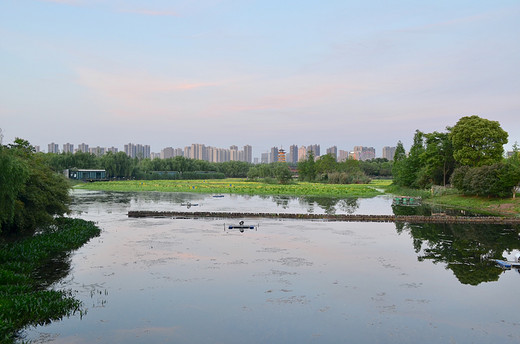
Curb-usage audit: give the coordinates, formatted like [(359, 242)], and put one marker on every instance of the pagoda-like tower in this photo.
[(281, 155)]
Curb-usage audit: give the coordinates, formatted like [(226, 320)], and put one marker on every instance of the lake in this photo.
[(162, 280)]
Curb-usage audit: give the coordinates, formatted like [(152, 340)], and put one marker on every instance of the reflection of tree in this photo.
[(329, 204), (411, 210), (282, 201), (465, 248), (349, 205)]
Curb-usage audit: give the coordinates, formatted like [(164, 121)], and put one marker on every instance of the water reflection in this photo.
[(262, 203), (466, 249), (157, 280)]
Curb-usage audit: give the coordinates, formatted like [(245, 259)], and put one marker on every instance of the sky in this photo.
[(170, 73)]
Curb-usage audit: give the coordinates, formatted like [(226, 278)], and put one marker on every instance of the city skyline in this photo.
[(219, 154), (342, 73)]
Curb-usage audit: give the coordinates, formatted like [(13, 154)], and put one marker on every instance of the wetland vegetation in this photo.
[(242, 186), (28, 266), (34, 237)]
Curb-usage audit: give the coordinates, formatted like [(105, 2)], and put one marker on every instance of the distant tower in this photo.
[(281, 155), (274, 155), (68, 148), (53, 148)]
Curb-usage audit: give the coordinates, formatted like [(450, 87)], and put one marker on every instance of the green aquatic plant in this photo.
[(23, 298), (239, 186)]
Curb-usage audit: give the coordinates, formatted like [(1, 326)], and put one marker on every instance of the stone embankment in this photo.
[(335, 217)]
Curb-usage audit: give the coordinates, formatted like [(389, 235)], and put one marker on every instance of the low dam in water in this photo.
[(334, 217)]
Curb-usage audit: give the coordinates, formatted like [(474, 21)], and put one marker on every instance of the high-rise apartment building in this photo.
[(248, 154), (53, 148), (302, 153), (292, 157), (333, 151), (364, 153), (68, 148), (273, 157), (233, 153), (137, 151), (388, 153), (97, 151), (83, 147), (167, 153), (264, 158), (198, 151), (315, 149), (342, 155)]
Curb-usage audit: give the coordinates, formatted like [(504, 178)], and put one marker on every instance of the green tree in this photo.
[(14, 173), (408, 171), (478, 141), (307, 168), (326, 164), (282, 172), (32, 194), (438, 157), (400, 153)]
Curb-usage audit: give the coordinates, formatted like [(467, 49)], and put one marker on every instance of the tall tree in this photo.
[(307, 168), (478, 141), (438, 156), (406, 170)]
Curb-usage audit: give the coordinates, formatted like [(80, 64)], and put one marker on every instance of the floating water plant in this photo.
[(23, 298)]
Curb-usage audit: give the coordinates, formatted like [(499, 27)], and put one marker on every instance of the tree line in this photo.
[(120, 166), (468, 156)]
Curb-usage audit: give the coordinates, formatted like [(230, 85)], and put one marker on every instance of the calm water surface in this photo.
[(158, 280)]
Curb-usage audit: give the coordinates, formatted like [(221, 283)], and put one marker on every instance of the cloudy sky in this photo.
[(265, 73)]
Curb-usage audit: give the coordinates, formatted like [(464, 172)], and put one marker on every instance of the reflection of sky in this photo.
[(163, 280)]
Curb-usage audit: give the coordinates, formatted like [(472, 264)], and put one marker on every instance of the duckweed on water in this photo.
[(23, 300)]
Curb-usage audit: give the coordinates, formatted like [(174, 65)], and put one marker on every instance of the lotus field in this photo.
[(241, 186)]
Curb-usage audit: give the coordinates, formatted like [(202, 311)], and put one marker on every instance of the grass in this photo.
[(451, 198), (482, 205), (241, 186), (23, 299)]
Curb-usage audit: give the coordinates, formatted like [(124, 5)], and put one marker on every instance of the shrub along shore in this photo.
[(24, 298)]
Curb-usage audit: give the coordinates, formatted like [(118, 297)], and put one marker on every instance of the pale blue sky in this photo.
[(265, 73)]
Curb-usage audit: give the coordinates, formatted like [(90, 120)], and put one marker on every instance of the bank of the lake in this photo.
[(509, 207), (24, 296), (243, 187), (450, 198)]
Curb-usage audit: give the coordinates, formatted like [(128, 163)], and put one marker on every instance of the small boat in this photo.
[(504, 264), (218, 196)]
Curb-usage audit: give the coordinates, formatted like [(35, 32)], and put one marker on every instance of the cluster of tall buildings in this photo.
[(296, 153), (82, 147), (233, 153), (195, 151), (212, 154)]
